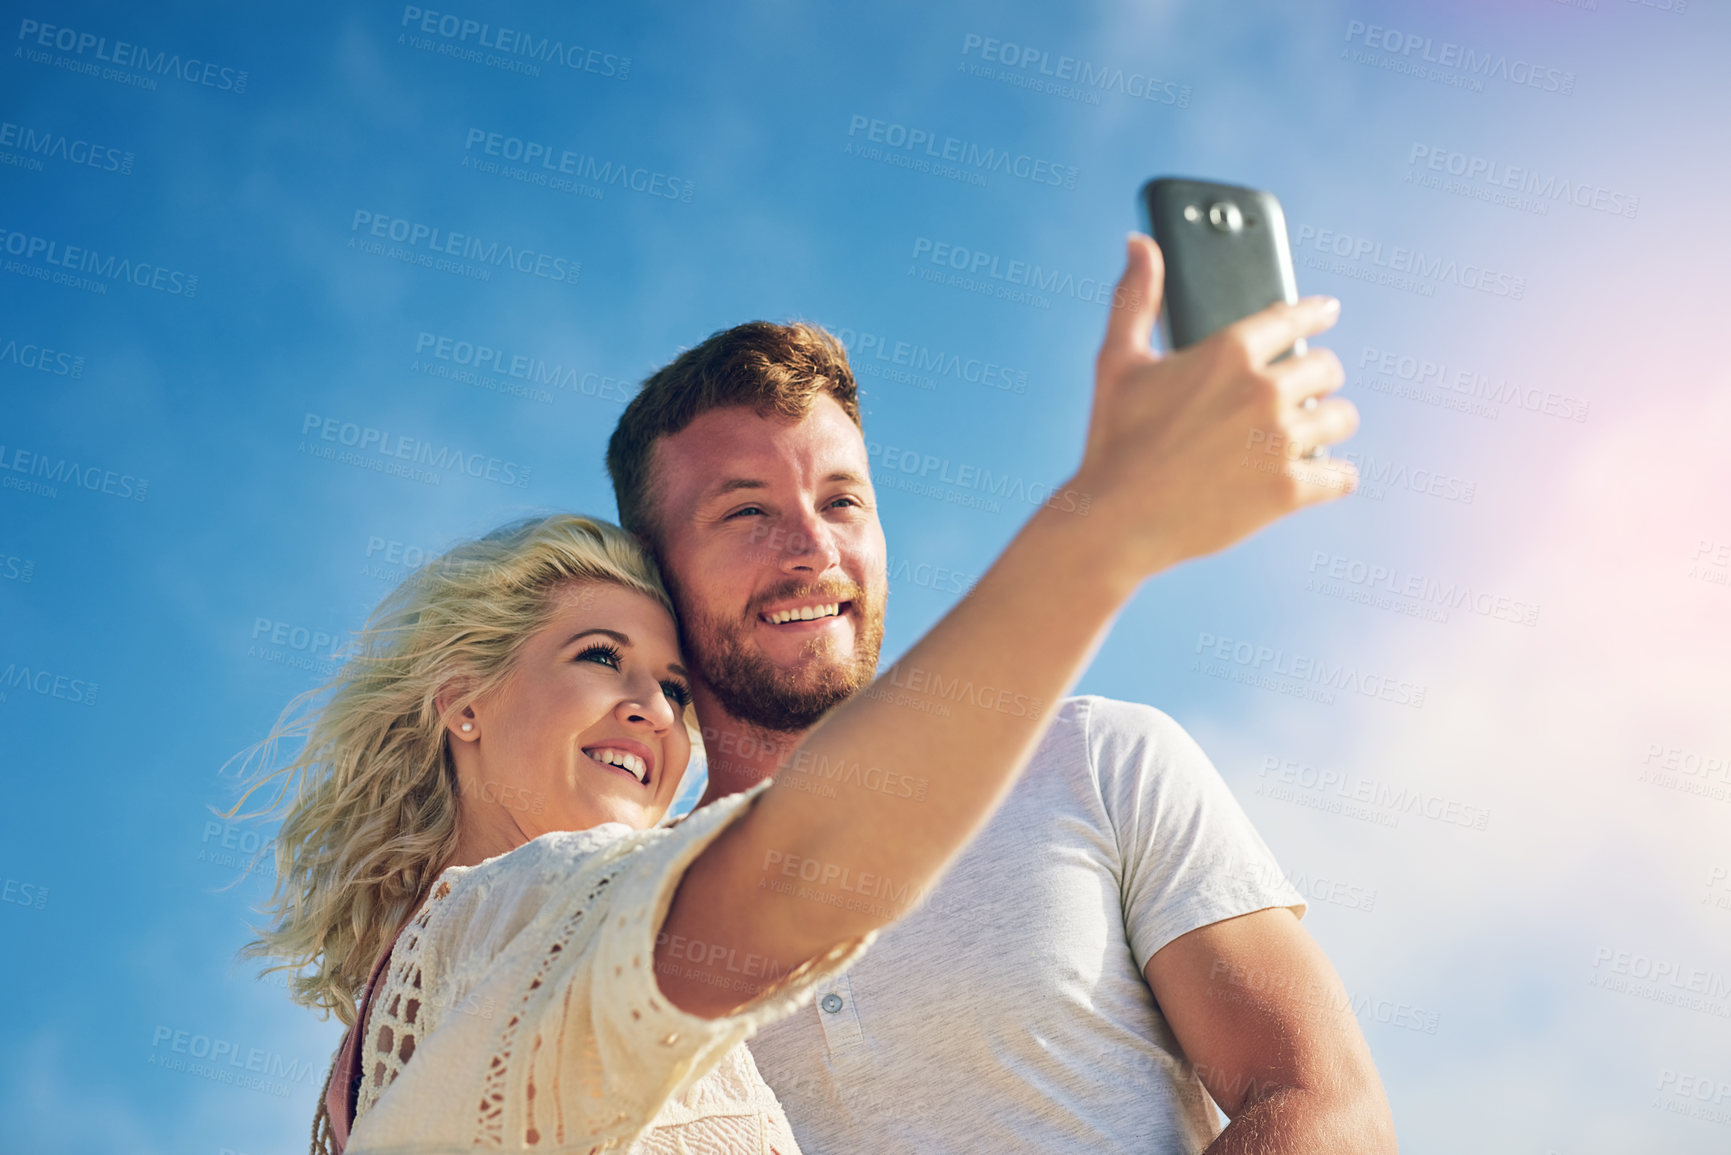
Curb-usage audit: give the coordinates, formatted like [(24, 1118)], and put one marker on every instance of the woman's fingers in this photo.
[(1277, 328), (1311, 376), (1330, 423)]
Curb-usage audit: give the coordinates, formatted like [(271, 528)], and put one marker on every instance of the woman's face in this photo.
[(589, 726)]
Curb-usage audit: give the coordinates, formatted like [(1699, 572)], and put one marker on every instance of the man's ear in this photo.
[(463, 724)]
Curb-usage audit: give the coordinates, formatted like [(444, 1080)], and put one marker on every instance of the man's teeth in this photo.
[(624, 761), (805, 614)]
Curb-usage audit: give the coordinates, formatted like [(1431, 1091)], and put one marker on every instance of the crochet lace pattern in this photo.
[(519, 1011)]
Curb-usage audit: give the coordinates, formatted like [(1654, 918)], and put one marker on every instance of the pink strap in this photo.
[(340, 1095)]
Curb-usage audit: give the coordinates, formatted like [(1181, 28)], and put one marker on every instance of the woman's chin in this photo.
[(639, 813)]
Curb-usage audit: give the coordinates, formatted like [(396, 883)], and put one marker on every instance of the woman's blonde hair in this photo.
[(370, 803)]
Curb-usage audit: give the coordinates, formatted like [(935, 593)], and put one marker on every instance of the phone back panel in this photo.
[(1226, 254)]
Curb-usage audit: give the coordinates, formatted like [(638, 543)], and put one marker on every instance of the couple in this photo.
[(475, 848)]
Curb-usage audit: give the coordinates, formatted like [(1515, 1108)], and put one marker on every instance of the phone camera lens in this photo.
[(1224, 216)]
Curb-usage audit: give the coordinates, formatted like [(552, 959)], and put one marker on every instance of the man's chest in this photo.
[(1025, 930)]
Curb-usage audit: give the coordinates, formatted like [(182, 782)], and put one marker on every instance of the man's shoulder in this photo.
[(1100, 725)]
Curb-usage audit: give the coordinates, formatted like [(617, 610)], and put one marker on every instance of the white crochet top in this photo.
[(519, 1011)]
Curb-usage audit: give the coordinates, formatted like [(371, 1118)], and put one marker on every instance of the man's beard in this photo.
[(760, 693)]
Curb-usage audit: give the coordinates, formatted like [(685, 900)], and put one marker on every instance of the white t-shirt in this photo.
[(1008, 1013), (519, 1010)]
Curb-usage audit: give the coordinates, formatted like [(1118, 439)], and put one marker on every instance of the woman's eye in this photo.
[(677, 692), (602, 653)]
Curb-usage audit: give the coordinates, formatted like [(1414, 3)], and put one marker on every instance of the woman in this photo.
[(489, 772), (506, 701)]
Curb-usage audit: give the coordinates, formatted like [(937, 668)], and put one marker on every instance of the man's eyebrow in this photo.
[(734, 485)]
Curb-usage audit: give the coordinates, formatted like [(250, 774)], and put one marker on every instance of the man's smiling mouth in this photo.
[(803, 613)]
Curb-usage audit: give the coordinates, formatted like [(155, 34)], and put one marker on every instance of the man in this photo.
[(1114, 941)]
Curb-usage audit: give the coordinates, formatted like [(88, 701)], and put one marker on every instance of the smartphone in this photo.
[(1226, 255)]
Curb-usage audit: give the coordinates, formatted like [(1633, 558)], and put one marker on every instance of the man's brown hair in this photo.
[(775, 369)]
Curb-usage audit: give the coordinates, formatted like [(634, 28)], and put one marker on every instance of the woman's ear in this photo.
[(463, 724)]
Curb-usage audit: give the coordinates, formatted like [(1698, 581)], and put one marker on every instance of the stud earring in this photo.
[(467, 726)]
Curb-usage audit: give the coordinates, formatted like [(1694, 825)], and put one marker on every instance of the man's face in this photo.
[(771, 547)]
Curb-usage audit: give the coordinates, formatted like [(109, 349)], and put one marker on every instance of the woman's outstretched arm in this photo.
[(1185, 455)]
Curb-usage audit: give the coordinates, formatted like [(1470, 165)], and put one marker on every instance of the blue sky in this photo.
[(1515, 203)]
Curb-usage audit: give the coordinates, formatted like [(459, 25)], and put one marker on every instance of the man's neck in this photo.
[(740, 755)]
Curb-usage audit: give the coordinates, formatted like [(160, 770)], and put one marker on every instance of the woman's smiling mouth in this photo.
[(634, 764)]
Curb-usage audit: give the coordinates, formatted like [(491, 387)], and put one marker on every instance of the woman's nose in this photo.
[(647, 705)]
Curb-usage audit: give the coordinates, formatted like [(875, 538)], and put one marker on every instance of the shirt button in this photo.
[(831, 1003)]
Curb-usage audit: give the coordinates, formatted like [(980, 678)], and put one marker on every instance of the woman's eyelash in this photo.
[(610, 652), (678, 691)]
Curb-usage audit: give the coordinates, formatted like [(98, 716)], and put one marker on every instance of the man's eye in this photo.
[(743, 512)]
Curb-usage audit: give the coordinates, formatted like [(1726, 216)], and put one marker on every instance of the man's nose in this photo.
[(809, 547)]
